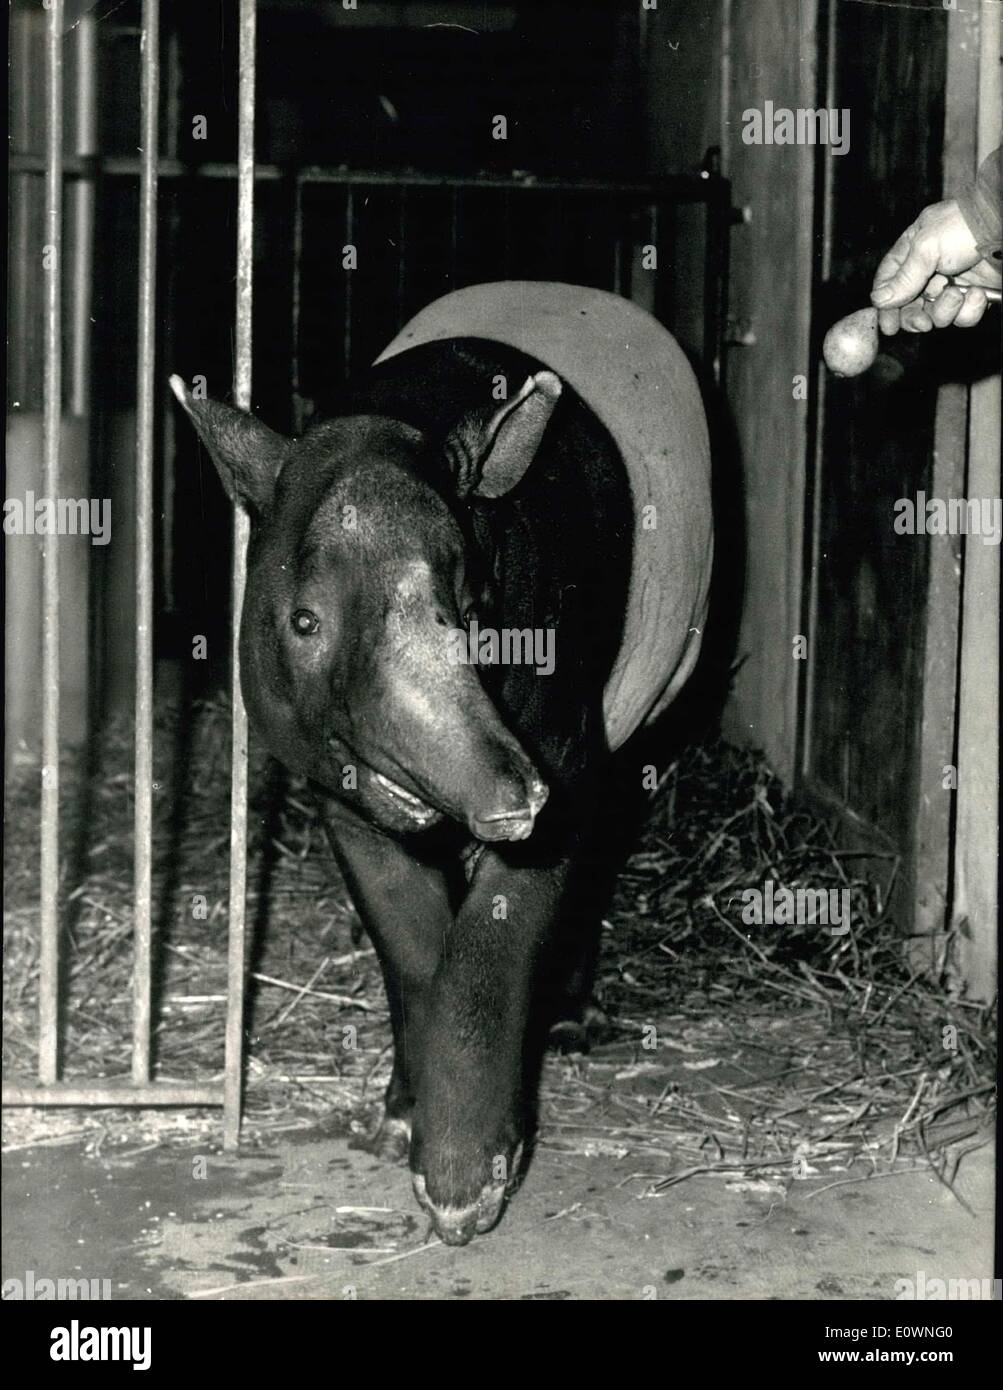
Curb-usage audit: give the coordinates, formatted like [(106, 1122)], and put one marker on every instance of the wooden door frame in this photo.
[(975, 905), (948, 882), (932, 850), (956, 832)]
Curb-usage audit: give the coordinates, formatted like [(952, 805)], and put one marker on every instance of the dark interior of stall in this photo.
[(375, 133), (392, 89), (404, 150)]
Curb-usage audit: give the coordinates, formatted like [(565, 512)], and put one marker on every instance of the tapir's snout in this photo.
[(440, 727), (512, 816)]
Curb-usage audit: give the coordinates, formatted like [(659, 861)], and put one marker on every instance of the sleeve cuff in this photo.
[(980, 207)]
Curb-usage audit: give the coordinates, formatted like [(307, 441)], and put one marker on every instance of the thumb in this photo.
[(904, 272)]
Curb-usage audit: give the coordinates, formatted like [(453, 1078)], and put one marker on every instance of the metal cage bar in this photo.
[(140, 1089), (233, 1063), (678, 188), (715, 290), (297, 291), (145, 362), (56, 168), (346, 343), (48, 970)]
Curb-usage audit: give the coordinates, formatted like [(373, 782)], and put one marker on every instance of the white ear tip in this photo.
[(178, 387), (549, 384)]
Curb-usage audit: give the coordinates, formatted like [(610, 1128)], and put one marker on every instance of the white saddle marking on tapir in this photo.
[(632, 373)]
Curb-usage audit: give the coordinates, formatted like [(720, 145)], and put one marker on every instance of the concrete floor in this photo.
[(312, 1216)]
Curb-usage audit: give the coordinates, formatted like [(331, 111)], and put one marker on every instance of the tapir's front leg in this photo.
[(468, 1117), (404, 906)]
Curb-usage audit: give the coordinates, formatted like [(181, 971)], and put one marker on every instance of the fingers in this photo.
[(911, 289), (962, 308), (883, 287), (904, 272), (972, 309), (915, 317), (945, 307)]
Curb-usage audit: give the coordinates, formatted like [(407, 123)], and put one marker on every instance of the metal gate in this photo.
[(641, 205), (141, 1089)]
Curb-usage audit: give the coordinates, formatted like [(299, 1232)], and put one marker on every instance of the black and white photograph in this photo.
[(502, 534)]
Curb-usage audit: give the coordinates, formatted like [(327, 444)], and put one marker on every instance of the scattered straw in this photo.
[(780, 1051)]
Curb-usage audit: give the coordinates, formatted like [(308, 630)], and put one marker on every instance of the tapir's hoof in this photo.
[(391, 1139), (459, 1225), (579, 1034)]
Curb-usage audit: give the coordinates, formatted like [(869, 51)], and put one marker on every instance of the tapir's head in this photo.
[(358, 584)]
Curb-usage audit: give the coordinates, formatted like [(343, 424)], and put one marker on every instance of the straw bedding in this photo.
[(763, 1054)]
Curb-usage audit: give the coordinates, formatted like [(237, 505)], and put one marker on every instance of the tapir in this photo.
[(524, 469)]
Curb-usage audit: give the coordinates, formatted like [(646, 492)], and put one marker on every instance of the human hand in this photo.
[(911, 289)]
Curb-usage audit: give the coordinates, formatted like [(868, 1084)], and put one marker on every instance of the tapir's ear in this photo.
[(490, 450), (247, 454)]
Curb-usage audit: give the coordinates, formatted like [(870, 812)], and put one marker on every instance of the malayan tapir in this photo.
[(463, 593)]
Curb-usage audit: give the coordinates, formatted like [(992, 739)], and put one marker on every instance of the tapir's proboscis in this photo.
[(524, 470)]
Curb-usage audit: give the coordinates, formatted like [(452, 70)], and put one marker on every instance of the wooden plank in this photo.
[(976, 907), (928, 867), (976, 904), (681, 62), (877, 432), (114, 1093), (701, 73), (771, 55)]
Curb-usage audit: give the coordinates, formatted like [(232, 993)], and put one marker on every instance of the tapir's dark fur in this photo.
[(464, 928), (555, 553)]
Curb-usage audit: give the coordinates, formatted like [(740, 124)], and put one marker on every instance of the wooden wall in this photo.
[(888, 69), (771, 56), (705, 67), (870, 722), (931, 845), (975, 917)]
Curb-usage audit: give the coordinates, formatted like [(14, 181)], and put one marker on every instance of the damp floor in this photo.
[(311, 1215)]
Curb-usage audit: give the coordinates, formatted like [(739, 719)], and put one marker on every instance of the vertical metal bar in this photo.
[(815, 479), (401, 254), (653, 229), (166, 419), (722, 237), (145, 345), (724, 112), (617, 215), (82, 203), (454, 220), (233, 1064), (297, 402), (707, 344), (22, 313), (349, 241), (717, 210), (48, 973), (507, 220), (170, 97)]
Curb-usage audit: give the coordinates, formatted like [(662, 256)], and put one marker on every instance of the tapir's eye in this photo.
[(304, 622)]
